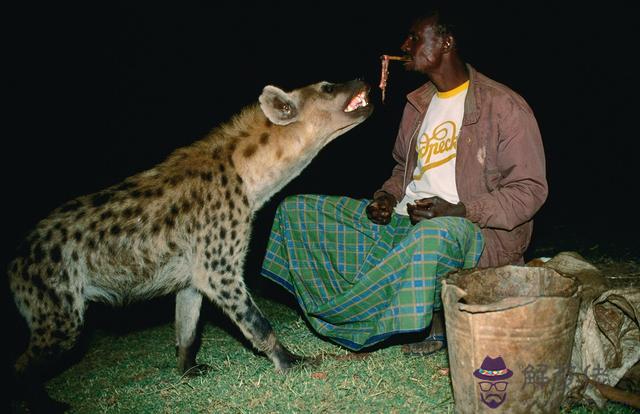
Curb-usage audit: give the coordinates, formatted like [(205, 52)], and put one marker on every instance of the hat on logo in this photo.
[(493, 370)]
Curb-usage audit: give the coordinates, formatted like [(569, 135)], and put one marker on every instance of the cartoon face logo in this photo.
[(492, 375)]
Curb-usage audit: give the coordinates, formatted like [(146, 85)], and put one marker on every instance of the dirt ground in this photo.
[(619, 273), (610, 249)]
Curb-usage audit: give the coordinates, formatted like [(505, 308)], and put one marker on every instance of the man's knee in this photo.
[(430, 227)]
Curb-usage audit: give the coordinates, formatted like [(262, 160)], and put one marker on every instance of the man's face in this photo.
[(425, 45)]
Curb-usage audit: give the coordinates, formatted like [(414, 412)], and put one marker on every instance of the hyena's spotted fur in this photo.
[(182, 226)]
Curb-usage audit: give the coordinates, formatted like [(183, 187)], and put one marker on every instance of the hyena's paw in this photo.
[(187, 365), (196, 370), (285, 360), (38, 402)]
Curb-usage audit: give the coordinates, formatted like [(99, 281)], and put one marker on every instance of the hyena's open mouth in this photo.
[(358, 100)]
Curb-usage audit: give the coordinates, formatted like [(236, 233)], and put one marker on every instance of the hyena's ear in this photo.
[(280, 107)]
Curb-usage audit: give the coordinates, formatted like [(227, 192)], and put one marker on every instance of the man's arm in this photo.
[(520, 182)]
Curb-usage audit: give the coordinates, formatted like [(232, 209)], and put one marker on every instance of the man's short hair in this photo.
[(446, 22), (448, 19)]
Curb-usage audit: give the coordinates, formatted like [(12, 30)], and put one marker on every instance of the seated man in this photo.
[(470, 176)]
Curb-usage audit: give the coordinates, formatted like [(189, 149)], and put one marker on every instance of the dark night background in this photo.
[(103, 91)]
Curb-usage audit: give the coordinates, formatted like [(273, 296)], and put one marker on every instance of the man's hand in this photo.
[(380, 209), (428, 208)]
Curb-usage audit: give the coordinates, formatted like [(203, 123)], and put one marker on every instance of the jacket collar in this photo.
[(421, 98)]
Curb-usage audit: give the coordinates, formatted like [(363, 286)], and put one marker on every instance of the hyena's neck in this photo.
[(265, 156), (268, 156)]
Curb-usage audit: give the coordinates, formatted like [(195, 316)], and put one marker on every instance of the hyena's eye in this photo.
[(327, 88)]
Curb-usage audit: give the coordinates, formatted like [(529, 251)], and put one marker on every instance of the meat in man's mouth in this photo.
[(384, 74)]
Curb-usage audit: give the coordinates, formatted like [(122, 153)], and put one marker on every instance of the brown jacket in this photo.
[(500, 164)]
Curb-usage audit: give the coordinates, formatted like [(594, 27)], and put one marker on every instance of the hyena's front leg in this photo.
[(188, 304), (232, 296), (259, 331)]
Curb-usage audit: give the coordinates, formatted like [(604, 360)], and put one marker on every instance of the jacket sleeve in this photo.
[(520, 183), (394, 184)]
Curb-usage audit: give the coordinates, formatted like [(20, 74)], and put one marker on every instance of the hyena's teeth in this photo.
[(360, 100)]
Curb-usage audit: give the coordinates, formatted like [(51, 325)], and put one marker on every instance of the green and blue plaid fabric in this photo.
[(358, 282)]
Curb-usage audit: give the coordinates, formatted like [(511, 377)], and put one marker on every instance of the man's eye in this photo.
[(327, 88)]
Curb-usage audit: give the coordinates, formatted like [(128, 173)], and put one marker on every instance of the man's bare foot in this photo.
[(432, 343)]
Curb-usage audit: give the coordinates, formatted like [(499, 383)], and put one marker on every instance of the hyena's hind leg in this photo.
[(188, 305), (234, 299), (54, 316)]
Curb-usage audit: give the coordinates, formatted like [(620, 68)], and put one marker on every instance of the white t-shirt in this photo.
[(435, 173)]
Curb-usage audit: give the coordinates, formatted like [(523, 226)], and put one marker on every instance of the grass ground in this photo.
[(136, 373)]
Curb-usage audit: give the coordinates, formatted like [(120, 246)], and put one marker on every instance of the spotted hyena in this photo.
[(181, 227)]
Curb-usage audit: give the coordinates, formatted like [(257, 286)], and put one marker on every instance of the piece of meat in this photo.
[(385, 71)]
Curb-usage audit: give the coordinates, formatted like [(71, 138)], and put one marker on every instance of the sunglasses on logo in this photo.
[(499, 385)]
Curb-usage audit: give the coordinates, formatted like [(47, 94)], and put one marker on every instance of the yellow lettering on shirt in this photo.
[(437, 149)]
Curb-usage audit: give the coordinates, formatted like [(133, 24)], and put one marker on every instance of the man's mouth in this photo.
[(359, 100)]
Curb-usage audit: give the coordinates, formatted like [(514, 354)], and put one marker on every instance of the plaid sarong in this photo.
[(358, 282)]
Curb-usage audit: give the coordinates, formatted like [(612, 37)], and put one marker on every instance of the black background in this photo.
[(104, 90)]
